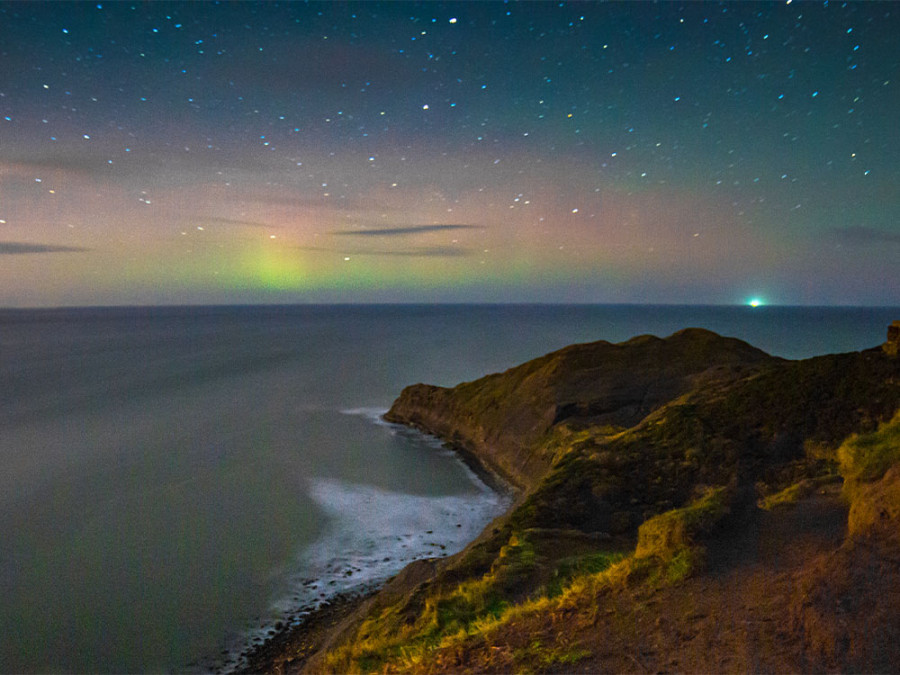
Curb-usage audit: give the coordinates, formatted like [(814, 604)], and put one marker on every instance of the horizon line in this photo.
[(483, 303)]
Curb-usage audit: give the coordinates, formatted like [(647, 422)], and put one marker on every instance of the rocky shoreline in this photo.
[(286, 644), (288, 649)]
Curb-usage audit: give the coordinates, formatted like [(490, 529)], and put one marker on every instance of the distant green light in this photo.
[(756, 302)]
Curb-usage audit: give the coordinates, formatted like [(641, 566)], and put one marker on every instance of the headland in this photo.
[(688, 503)]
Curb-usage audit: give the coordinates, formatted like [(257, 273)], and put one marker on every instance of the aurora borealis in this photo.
[(180, 153)]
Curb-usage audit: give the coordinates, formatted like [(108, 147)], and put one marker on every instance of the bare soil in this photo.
[(738, 615)]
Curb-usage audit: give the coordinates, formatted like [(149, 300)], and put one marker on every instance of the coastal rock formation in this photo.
[(504, 418), (688, 503), (892, 345)]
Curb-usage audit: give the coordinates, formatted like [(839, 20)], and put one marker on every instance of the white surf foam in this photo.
[(375, 415), (371, 535)]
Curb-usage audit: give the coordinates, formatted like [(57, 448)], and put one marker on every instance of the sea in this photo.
[(177, 482)]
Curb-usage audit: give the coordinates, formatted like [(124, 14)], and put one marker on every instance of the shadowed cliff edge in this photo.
[(688, 503)]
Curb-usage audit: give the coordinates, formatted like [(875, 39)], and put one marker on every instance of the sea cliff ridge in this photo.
[(688, 503)]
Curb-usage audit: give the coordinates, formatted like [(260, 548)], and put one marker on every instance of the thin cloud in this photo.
[(860, 234), (19, 248), (401, 231), (427, 252), (178, 170), (70, 164)]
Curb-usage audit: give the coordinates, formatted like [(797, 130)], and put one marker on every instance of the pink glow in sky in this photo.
[(193, 153)]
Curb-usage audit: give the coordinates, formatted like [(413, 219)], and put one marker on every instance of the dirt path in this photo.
[(734, 616)]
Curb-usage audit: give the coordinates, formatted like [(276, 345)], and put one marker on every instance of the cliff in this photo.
[(504, 419), (687, 503)]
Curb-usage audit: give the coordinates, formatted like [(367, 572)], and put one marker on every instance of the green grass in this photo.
[(484, 598), (571, 568), (866, 458), (389, 637), (667, 534)]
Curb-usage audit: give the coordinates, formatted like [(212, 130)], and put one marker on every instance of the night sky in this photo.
[(178, 153)]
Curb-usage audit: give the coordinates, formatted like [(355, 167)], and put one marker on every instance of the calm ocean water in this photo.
[(175, 480)]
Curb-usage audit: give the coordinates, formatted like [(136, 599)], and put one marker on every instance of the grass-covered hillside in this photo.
[(683, 505)]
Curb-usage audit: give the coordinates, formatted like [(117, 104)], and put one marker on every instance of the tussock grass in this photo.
[(870, 464), (447, 615), (667, 534), (865, 458), (579, 566), (476, 612), (673, 537)]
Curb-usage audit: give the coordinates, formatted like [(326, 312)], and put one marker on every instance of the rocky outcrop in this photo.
[(504, 418), (892, 346)]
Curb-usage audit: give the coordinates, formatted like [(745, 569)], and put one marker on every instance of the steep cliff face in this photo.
[(504, 418), (642, 464)]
